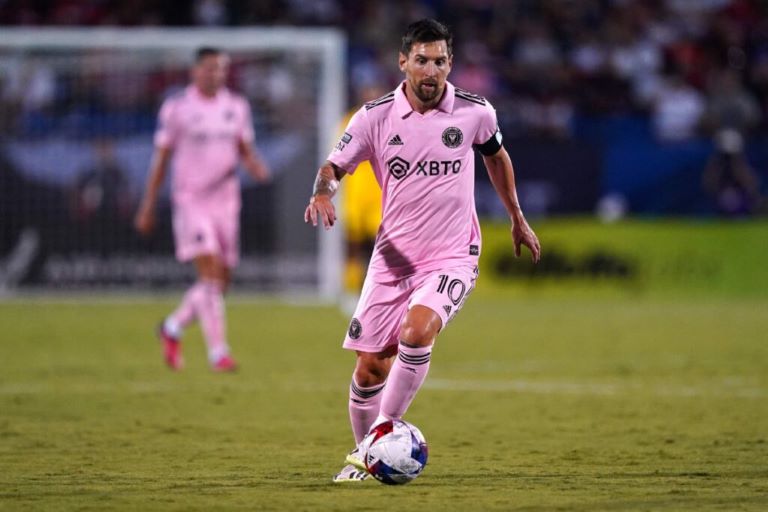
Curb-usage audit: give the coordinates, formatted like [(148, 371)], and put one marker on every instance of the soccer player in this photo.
[(420, 140), (206, 129)]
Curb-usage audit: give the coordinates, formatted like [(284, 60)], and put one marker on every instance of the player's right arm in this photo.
[(320, 205), (145, 216), (165, 139), (353, 147)]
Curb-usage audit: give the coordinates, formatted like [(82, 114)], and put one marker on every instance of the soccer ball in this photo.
[(395, 452)]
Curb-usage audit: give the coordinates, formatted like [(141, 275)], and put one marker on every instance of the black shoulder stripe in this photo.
[(466, 95), (369, 106), (390, 94), (474, 99), (465, 92), (379, 101), (479, 102)]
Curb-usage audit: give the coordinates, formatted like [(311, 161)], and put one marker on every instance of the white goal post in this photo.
[(327, 47)]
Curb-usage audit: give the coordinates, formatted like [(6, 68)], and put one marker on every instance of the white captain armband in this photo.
[(491, 146)]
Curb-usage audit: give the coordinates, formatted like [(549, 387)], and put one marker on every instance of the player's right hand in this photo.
[(320, 207), (144, 221)]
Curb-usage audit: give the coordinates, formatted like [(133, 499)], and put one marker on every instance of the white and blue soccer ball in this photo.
[(395, 452)]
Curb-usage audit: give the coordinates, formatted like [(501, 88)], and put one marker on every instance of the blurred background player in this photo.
[(206, 128), (421, 139), (361, 212)]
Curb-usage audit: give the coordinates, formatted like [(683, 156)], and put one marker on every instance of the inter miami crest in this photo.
[(452, 137), (398, 167), (355, 329)]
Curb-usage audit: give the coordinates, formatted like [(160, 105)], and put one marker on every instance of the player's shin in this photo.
[(405, 378), (364, 405), (185, 313), (210, 310)]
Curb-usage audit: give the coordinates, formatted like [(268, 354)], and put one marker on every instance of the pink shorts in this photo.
[(199, 231), (383, 306)]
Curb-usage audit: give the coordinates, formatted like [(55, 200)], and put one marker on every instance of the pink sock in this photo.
[(363, 408), (405, 378), (186, 313), (209, 307)]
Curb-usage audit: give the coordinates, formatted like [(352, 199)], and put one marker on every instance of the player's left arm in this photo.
[(253, 162), (502, 176), (249, 156)]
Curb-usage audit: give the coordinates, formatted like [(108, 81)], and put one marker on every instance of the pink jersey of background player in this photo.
[(425, 165), (205, 129), (204, 133)]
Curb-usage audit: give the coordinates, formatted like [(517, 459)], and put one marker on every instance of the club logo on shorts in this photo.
[(355, 329), (398, 167), (452, 137)]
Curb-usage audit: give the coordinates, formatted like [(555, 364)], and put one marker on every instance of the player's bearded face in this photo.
[(426, 69), (211, 73)]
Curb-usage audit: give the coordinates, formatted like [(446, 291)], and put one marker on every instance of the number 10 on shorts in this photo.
[(453, 288)]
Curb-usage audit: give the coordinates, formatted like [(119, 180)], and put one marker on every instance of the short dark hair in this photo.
[(206, 51), (426, 31)]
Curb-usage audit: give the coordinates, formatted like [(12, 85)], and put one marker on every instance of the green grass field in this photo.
[(541, 403)]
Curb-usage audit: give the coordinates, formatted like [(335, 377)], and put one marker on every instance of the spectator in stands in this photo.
[(677, 110), (732, 111), (102, 203)]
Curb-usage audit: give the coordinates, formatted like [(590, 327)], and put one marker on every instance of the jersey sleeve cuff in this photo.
[(342, 167)]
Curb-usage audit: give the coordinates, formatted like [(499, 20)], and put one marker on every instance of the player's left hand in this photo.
[(522, 234)]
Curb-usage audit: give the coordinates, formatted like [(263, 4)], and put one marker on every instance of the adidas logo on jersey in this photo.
[(395, 141)]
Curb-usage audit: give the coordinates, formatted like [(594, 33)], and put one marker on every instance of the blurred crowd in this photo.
[(112, 93), (691, 65)]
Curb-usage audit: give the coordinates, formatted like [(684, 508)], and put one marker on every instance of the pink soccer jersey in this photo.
[(204, 134), (425, 166)]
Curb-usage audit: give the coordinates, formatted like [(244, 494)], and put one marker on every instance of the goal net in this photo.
[(78, 108)]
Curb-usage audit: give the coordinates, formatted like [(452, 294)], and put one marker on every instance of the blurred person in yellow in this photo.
[(361, 211)]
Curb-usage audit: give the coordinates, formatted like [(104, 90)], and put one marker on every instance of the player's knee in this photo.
[(420, 326), (371, 370), (367, 376), (226, 279), (418, 334), (210, 266)]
